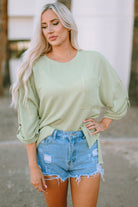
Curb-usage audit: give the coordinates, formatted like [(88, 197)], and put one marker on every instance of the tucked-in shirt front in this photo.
[(62, 95)]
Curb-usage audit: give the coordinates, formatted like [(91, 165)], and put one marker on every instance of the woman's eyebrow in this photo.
[(50, 21)]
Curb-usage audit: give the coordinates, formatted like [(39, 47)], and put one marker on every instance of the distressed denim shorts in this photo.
[(66, 154)]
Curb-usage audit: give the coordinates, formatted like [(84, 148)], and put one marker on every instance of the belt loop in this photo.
[(54, 133)]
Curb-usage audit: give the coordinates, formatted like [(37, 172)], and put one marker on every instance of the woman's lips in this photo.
[(52, 38)]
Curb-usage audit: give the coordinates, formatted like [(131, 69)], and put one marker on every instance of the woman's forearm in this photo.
[(36, 175), (31, 152), (106, 122)]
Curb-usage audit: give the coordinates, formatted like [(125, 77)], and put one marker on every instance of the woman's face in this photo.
[(53, 30)]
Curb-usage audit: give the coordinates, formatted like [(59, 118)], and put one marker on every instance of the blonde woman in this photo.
[(59, 94)]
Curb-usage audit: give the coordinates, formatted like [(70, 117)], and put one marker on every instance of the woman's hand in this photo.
[(37, 179), (98, 126)]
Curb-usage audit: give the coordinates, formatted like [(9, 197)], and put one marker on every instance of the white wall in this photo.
[(40, 3), (21, 8), (107, 26), (21, 17), (20, 28)]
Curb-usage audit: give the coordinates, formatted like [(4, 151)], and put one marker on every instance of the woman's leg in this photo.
[(85, 193), (56, 195)]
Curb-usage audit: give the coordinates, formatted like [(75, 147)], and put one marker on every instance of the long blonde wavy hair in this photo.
[(40, 46)]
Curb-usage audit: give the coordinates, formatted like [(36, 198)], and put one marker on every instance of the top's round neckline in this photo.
[(70, 61)]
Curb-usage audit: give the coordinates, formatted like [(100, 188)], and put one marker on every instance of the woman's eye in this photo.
[(56, 23), (44, 27)]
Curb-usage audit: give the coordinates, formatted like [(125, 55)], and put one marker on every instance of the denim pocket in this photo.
[(82, 139)]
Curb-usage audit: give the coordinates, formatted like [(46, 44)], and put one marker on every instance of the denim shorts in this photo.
[(66, 154)]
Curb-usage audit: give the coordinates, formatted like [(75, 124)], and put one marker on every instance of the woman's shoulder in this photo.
[(103, 64), (92, 54), (39, 62)]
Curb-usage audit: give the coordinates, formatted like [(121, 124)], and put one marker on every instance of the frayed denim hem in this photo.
[(78, 177), (57, 177), (99, 170)]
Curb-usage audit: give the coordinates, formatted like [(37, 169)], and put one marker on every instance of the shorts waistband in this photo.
[(66, 134)]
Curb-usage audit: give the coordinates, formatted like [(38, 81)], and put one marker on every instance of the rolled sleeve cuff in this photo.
[(28, 140), (109, 113)]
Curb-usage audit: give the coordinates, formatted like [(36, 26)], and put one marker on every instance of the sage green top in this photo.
[(62, 95)]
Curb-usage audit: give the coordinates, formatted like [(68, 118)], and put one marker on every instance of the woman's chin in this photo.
[(54, 43)]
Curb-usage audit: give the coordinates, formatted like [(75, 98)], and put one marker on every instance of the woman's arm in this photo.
[(31, 152), (106, 122), (36, 175), (28, 131), (98, 126)]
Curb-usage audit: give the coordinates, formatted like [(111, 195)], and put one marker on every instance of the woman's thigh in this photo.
[(85, 193), (56, 192)]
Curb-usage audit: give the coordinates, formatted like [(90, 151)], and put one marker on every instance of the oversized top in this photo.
[(62, 95)]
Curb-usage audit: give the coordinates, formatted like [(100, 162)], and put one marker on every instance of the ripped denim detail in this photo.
[(99, 170), (53, 177)]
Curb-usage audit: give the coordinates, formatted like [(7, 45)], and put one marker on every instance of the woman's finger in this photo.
[(91, 123), (39, 188), (91, 120), (37, 185), (44, 184), (92, 127), (95, 132)]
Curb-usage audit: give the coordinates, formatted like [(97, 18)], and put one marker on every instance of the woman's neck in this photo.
[(62, 53)]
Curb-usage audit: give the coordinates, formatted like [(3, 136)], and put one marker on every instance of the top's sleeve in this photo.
[(112, 92), (28, 116)]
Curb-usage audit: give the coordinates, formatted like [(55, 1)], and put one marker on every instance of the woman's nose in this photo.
[(50, 29)]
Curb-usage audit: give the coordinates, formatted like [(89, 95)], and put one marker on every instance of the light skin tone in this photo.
[(86, 193), (62, 49)]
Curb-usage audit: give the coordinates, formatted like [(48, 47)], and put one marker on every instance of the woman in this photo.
[(59, 93)]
